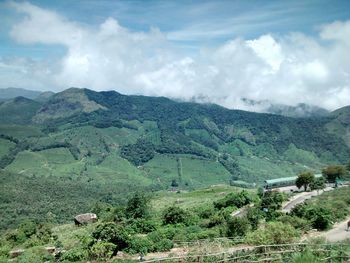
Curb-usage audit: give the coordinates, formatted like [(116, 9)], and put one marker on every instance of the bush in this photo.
[(142, 226), (216, 220), (167, 232), (74, 255), (234, 199), (102, 250), (254, 215), (237, 227), (320, 217), (111, 233), (175, 215), (296, 222), (141, 245), (273, 233), (138, 206), (163, 245), (305, 256), (205, 212)]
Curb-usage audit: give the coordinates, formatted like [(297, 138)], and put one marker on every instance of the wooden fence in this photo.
[(338, 252)]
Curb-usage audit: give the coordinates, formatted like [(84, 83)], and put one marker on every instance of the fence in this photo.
[(338, 252)]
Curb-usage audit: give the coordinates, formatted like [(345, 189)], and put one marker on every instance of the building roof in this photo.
[(286, 179)]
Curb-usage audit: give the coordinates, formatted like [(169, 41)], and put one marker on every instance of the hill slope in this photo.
[(98, 126), (105, 140)]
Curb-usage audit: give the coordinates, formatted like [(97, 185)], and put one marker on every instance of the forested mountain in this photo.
[(104, 143), (141, 130)]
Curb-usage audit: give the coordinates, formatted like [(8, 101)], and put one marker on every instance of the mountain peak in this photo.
[(65, 104)]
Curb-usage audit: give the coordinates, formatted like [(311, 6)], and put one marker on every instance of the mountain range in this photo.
[(149, 133), (77, 147)]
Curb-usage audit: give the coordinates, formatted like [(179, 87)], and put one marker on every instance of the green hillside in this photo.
[(81, 138)]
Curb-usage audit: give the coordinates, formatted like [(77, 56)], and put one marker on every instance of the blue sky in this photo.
[(189, 24), (219, 51)]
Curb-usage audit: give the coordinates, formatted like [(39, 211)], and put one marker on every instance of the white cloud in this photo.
[(289, 69)]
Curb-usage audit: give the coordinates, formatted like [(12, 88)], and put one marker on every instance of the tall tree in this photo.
[(318, 184), (305, 179), (137, 206), (334, 172)]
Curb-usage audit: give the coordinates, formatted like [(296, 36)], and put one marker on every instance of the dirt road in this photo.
[(338, 232)]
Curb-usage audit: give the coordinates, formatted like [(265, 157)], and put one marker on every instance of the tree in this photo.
[(111, 233), (270, 204), (137, 206), (334, 172), (318, 184), (305, 179)]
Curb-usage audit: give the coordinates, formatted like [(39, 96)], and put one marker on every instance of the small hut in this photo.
[(84, 219)]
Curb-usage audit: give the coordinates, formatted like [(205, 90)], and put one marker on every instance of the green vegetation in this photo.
[(305, 179), (325, 209), (84, 151), (334, 172), (135, 229)]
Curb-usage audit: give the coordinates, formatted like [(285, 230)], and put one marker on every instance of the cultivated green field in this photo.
[(190, 199)]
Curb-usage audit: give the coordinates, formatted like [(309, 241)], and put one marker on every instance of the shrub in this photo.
[(167, 232), (4, 250), (205, 212), (74, 255), (254, 215), (273, 233), (305, 256), (237, 227), (175, 215), (216, 220), (163, 245), (137, 206), (102, 250), (320, 217), (143, 226), (234, 199), (140, 245), (111, 233), (296, 222)]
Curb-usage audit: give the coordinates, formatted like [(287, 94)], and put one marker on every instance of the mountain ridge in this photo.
[(160, 126)]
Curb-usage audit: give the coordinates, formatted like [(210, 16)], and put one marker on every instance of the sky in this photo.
[(285, 52)]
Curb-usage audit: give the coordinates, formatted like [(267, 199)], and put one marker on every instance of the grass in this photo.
[(51, 162), (337, 201), (190, 199), (162, 169), (69, 234), (200, 173), (117, 169), (257, 169), (186, 170), (20, 131)]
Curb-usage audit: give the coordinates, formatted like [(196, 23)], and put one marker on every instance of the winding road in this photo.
[(301, 198)]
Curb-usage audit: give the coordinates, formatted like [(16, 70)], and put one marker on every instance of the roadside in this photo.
[(337, 233), (301, 198)]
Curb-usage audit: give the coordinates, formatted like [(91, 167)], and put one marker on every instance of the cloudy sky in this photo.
[(285, 52)]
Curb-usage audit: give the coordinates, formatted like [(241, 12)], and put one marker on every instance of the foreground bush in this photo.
[(273, 233)]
